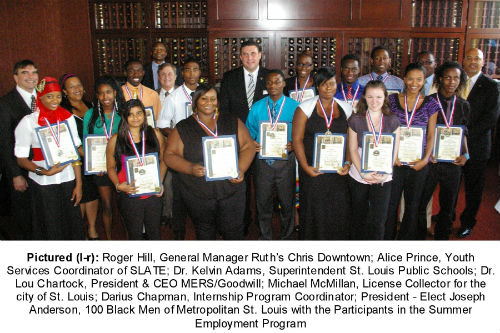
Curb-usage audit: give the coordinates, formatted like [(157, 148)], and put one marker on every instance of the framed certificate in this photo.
[(378, 158), (411, 144), (448, 143), (188, 109), (150, 116), (95, 154), (329, 152), (220, 157), (308, 94), (63, 153), (146, 176), (273, 142)]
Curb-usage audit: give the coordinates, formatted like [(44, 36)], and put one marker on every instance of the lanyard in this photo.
[(408, 122), (447, 122), (56, 138), (190, 100), (372, 127), (273, 125), (328, 122), (297, 88), (355, 94), (136, 152), (212, 133), (108, 135), (130, 94)]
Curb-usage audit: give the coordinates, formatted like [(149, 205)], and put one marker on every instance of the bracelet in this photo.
[(76, 163), (38, 171), (347, 163), (467, 156)]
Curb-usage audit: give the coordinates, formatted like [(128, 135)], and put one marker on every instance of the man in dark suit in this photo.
[(13, 107), (240, 88), (483, 95), (150, 78), (243, 86)]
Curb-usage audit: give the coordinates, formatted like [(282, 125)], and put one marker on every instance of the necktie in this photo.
[(134, 94), (33, 103), (349, 93), (380, 78), (275, 112), (466, 91), (166, 93), (250, 91)]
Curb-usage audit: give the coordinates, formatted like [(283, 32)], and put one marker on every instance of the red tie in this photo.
[(349, 93)]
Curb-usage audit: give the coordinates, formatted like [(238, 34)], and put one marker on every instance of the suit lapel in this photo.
[(260, 86), (240, 88), (478, 87), (19, 103)]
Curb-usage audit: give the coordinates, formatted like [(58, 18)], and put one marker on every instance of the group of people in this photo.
[(167, 113)]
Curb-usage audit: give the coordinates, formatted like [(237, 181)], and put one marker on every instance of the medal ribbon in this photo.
[(297, 89), (372, 127), (108, 135), (273, 125), (355, 94), (408, 122), (56, 138), (328, 122), (212, 133), (190, 100), (371, 77), (130, 94), (136, 152), (447, 122)]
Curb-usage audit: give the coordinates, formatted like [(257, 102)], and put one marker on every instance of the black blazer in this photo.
[(484, 100), (233, 96), (12, 110), (147, 79)]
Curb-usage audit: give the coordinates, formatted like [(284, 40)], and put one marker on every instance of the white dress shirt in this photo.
[(174, 109), (163, 98), (247, 79), (26, 138), (26, 95)]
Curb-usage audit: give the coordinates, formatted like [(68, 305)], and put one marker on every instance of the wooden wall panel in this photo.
[(237, 9), (55, 34)]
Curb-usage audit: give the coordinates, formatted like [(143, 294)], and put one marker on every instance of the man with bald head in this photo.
[(483, 95)]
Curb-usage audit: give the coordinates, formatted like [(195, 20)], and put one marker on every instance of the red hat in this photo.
[(47, 84)]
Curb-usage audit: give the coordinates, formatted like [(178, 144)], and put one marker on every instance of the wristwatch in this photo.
[(38, 171)]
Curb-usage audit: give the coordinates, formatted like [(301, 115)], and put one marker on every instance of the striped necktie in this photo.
[(349, 93), (250, 91), (33, 103)]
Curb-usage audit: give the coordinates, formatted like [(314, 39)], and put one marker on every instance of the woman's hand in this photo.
[(419, 165), (345, 170), (241, 177), (55, 169), (460, 160), (289, 147), (197, 170), (161, 192), (127, 188), (373, 177), (433, 159), (397, 162), (77, 194), (257, 146), (312, 172)]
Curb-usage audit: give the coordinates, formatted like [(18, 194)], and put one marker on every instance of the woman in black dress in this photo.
[(214, 206), (324, 196), (73, 100)]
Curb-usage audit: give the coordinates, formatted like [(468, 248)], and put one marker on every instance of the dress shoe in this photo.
[(464, 232)]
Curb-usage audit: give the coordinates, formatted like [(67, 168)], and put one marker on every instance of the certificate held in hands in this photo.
[(95, 154), (273, 141), (411, 144), (145, 174), (448, 143), (220, 157), (377, 157), (329, 152), (302, 96), (57, 144)]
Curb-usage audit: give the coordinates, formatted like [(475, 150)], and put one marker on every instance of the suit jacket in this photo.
[(12, 110), (147, 80), (484, 100), (233, 94)]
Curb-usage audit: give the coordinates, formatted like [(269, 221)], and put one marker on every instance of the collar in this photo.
[(131, 87), (156, 65), (441, 97), (430, 78), (163, 91), (24, 94), (345, 86), (187, 89), (254, 73), (474, 78), (278, 102), (375, 75)]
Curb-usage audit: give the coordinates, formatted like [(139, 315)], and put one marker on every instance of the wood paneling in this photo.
[(55, 34), (237, 10)]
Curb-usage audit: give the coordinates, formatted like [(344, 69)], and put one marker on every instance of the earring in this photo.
[(116, 105), (98, 106)]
